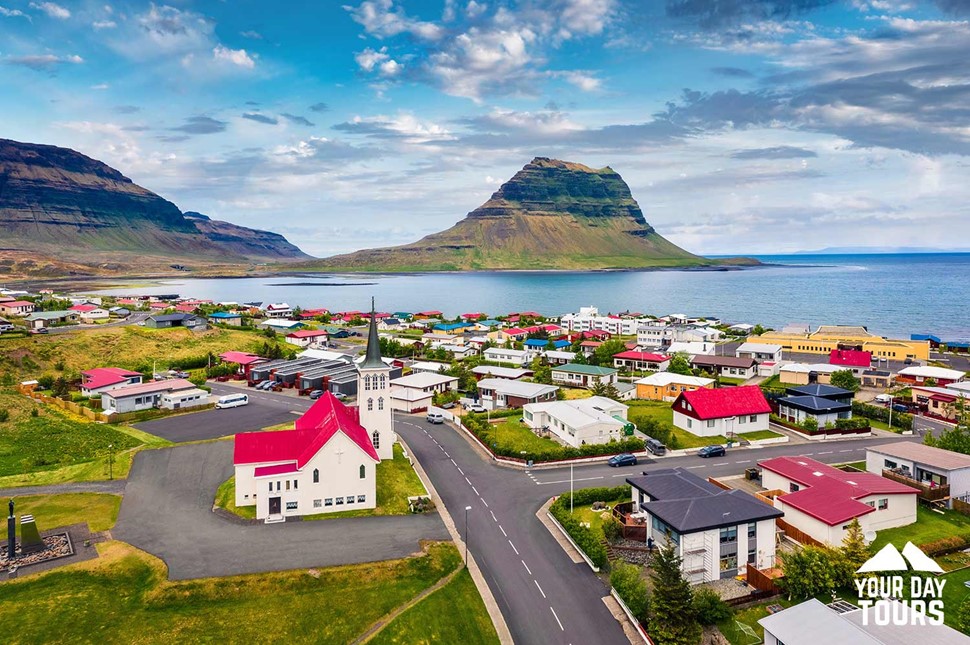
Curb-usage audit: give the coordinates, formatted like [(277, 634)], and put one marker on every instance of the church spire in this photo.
[(373, 356)]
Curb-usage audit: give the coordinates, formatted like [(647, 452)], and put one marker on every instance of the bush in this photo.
[(45, 382), (612, 529), (900, 419), (709, 607), (625, 578), (584, 538), (4, 415), (852, 424), (34, 412), (946, 545)]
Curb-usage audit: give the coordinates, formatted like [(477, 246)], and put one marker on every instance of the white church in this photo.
[(327, 464)]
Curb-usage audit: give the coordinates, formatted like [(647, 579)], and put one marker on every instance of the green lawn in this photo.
[(517, 435), (226, 498), (687, 440), (727, 380), (453, 614), (929, 526), (124, 597), (858, 465), (954, 593), (659, 410), (99, 510), (749, 616), (664, 414), (760, 434), (586, 514)]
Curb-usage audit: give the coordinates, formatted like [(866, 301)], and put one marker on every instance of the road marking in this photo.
[(557, 619), (827, 452), (723, 463), (476, 491), (693, 467), (446, 454), (566, 481), (493, 516), (502, 530), (526, 567), (513, 547), (483, 501), (620, 475), (540, 588), (469, 483), (847, 451), (459, 469), (746, 461)]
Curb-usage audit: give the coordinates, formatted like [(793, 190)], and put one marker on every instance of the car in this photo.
[(182, 374), (340, 396), (6, 327), (435, 417), (259, 384), (475, 407), (316, 394), (40, 330), (908, 361), (711, 451), (655, 446), (899, 407), (447, 406), (265, 385), (624, 459)]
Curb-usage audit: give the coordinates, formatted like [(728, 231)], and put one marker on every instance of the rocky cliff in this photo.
[(56, 200), (551, 215)]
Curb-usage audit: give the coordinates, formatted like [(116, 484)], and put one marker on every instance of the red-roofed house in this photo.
[(853, 359), (244, 360), (432, 313), (708, 413), (633, 360), (186, 308), (821, 500), (473, 316), (90, 313), (597, 334), (326, 464), (306, 337), (16, 307), (102, 379)]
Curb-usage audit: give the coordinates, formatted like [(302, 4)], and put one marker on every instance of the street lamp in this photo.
[(467, 508), (110, 460)]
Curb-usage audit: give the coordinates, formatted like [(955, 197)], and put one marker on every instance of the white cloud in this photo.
[(100, 86), (382, 19), (52, 9), (43, 61), (585, 17), (104, 24), (237, 57), (370, 60), (583, 80), (13, 13)]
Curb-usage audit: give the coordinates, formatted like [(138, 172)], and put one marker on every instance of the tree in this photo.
[(679, 364), (846, 380), (673, 620), (625, 578), (956, 439), (542, 374), (603, 355), (757, 330), (61, 389), (709, 607), (854, 551), (809, 571), (603, 389)]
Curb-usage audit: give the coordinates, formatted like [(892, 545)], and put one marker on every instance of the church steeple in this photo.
[(373, 357)]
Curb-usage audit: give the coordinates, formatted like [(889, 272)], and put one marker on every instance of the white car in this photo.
[(476, 407), (436, 417)]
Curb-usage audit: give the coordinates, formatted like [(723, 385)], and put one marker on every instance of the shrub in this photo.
[(879, 413), (612, 529), (709, 607), (34, 412), (45, 382), (4, 415), (946, 545), (625, 578), (584, 538)]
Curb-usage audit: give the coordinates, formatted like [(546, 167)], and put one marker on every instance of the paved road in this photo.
[(929, 425), (133, 319), (115, 486), (264, 409), (167, 511), (544, 596)]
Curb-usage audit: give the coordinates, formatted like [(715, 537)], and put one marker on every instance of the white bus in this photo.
[(232, 401)]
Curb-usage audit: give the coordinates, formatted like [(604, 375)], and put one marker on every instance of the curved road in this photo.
[(544, 596)]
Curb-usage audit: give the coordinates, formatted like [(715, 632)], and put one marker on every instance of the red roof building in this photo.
[(597, 333), (185, 308), (722, 402), (634, 360), (83, 308), (473, 316), (850, 358), (100, 379), (240, 358)]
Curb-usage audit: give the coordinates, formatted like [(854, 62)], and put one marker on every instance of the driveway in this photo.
[(167, 511), (264, 409)]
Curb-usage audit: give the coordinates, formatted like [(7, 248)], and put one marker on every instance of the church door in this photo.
[(274, 506)]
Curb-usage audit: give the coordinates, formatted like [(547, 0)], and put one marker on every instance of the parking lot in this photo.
[(264, 409)]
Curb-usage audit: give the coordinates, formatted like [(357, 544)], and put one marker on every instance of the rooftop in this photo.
[(662, 379), (642, 356), (815, 404), (721, 361), (423, 379), (818, 389), (929, 371), (850, 358), (725, 402), (936, 457), (516, 388), (151, 387), (759, 348), (580, 413), (576, 368)]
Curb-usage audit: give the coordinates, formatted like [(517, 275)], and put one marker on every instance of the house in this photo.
[(729, 366), (503, 393), (923, 467), (581, 421), (806, 374), (278, 310), (487, 325), (144, 396), (101, 379), (40, 319), (880, 379), (590, 319), (437, 340), (459, 352), (16, 307), (760, 352), (505, 336), (518, 357), (451, 329), (742, 329), (414, 392), (231, 318), (281, 324), (119, 312), (851, 359), (244, 360), (481, 371), (813, 623), (640, 361), (306, 337), (166, 321), (828, 337), (724, 411), (586, 376), (588, 347), (558, 357), (821, 500), (921, 374), (715, 532), (90, 313), (667, 386), (824, 403), (822, 390), (183, 399), (536, 344), (948, 403), (429, 367), (389, 324)]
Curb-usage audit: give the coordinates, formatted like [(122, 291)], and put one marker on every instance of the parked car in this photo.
[(316, 394), (655, 446), (340, 396), (624, 459), (182, 374), (6, 327), (447, 406), (265, 385), (39, 330), (259, 384), (899, 407), (436, 417), (711, 451), (884, 398), (475, 407)]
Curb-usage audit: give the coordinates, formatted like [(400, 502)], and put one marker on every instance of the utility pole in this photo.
[(570, 489), (467, 508)]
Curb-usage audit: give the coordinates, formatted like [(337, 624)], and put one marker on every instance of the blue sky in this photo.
[(742, 126)]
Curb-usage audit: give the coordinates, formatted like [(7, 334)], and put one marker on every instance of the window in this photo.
[(363, 471), (317, 503), (296, 484), (328, 501), (890, 464), (287, 484), (380, 403), (883, 503), (710, 423), (872, 504), (271, 487), (729, 534), (316, 475), (752, 530), (367, 382), (690, 423), (729, 562), (246, 496), (376, 439), (753, 418), (350, 499), (291, 506), (752, 555), (361, 499), (741, 419), (370, 404), (277, 487), (340, 501), (383, 379), (793, 488)]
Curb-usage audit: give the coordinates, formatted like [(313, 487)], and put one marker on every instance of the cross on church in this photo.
[(339, 453)]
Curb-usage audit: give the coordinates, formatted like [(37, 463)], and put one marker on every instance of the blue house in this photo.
[(536, 343), (453, 327)]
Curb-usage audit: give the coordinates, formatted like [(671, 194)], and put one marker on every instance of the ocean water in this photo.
[(891, 294)]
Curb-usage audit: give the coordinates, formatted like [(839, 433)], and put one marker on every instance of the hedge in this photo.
[(586, 539), (879, 413), (946, 545)]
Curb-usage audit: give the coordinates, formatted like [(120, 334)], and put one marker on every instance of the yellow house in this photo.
[(666, 386), (829, 337)]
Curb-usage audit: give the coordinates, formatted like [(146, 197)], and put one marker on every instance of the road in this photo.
[(133, 319), (544, 596)]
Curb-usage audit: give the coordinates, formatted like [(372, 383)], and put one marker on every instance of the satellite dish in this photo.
[(869, 537)]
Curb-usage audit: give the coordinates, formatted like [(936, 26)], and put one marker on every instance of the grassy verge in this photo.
[(124, 597), (858, 465), (760, 434), (687, 440), (929, 526), (453, 614), (98, 510), (517, 436), (226, 498)]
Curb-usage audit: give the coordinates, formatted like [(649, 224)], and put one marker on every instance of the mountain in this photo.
[(551, 215), (58, 202)]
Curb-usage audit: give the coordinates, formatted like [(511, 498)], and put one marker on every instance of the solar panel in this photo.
[(842, 607)]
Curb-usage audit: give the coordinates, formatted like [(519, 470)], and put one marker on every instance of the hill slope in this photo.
[(56, 200), (551, 215)]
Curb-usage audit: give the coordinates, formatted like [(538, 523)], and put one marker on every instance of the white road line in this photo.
[(557, 619), (446, 454), (723, 463), (459, 469), (502, 530), (620, 475), (469, 483), (566, 481), (540, 588), (526, 567), (483, 501), (493, 516), (513, 547), (476, 491), (847, 451), (693, 467), (746, 461), (827, 452)]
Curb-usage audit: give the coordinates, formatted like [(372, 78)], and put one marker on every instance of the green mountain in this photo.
[(551, 215)]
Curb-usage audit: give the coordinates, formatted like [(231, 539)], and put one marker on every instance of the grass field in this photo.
[(516, 435), (595, 518), (929, 526), (453, 614), (954, 593), (226, 498), (760, 434), (687, 440), (124, 597), (659, 410), (98, 510), (749, 616), (573, 393)]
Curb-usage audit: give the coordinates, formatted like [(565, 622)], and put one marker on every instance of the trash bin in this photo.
[(751, 474)]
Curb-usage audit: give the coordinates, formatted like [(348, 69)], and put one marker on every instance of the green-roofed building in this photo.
[(583, 375)]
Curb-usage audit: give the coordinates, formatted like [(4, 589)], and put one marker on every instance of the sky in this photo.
[(741, 126)]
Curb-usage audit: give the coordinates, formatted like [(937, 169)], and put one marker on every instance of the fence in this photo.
[(768, 496), (761, 581), (961, 506), (797, 534), (927, 492), (718, 484)]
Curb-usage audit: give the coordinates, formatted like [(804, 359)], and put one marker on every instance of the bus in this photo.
[(232, 401)]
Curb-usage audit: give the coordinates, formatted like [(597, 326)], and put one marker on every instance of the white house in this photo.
[(460, 352), (589, 319), (586, 376), (183, 399), (144, 396), (927, 466), (306, 337), (505, 393), (723, 411), (278, 310), (760, 352), (101, 379), (90, 313), (716, 532), (729, 366), (919, 374), (518, 357), (578, 422), (693, 348), (426, 382), (822, 500), (430, 367), (559, 357), (641, 361), (496, 371)]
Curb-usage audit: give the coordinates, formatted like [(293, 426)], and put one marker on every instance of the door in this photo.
[(274, 506)]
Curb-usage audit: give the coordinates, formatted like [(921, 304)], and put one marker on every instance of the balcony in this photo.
[(927, 491)]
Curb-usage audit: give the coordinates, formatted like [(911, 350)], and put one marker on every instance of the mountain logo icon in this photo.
[(890, 559)]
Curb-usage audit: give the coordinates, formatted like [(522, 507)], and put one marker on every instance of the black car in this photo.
[(711, 451), (625, 459)]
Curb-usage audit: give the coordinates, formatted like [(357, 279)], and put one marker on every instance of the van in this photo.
[(655, 447), (232, 401), (436, 417)]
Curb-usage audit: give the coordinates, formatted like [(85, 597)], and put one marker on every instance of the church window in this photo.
[(316, 475), (376, 439), (296, 484), (370, 404), (383, 379), (317, 503), (340, 501), (363, 471), (287, 484), (291, 506), (271, 487), (328, 501), (380, 403), (350, 499), (361, 499), (367, 382)]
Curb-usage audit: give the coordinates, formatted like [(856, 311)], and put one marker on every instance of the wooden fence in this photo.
[(761, 581), (797, 534), (961, 506), (718, 484), (927, 492)]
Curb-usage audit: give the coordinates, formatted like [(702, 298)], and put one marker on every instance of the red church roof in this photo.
[(313, 430), (850, 358), (723, 402)]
